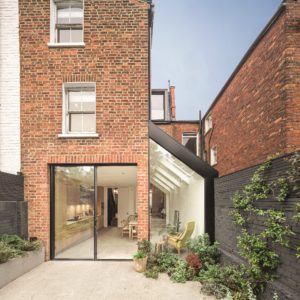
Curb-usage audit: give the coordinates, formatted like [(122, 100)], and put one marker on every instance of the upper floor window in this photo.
[(208, 123), (213, 156), (157, 106), (67, 22), (190, 140), (80, 108)]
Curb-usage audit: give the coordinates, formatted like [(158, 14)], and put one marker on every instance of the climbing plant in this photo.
[(257, 247)]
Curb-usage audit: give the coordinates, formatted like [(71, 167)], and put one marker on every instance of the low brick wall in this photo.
[(13, 208), (288, 285)]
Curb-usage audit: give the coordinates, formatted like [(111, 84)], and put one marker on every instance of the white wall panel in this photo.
[(9, 87)]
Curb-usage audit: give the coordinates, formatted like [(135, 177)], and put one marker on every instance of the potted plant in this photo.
[(141, 256), (140, 261)]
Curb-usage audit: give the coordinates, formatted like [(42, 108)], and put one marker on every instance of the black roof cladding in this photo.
[(181, 152)]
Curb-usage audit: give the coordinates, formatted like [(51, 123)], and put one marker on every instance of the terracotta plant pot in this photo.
[(140, 264)]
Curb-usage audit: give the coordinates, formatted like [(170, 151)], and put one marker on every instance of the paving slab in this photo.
[(63, 280)]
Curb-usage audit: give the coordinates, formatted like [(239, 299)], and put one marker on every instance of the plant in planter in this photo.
[(141, 257), (12, 246), (140, 261), (144, 246)]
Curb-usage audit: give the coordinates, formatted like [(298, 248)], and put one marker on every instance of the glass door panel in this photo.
[(116, 211), (74, 212)]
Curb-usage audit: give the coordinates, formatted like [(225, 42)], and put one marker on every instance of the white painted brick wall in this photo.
[(9, 87)]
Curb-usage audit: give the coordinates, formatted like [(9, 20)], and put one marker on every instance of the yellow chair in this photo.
[(179, 240)]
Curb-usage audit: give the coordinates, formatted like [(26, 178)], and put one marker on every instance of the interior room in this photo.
[(176, 195), (116, 212), (112, 218)]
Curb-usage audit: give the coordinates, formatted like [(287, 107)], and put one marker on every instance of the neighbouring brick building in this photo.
[(163, 114), (257, 113)]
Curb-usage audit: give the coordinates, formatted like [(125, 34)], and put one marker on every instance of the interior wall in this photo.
[(157, 201), (168, 218), (189, 201), (68, 195), (126, 202)]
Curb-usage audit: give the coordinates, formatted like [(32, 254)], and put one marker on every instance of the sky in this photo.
[(198, 43)]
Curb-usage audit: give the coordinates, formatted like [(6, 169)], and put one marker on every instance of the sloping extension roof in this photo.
[(181, 152), (197, 165)]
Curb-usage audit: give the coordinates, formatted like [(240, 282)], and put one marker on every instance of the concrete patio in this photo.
[(95, 280)]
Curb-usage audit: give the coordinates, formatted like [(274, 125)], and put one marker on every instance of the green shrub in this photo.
[(152, 273), (214, 289), (144, 246), (163, 262), (208, 253), (12, 246), (6, 252), (139, 255), (31, 246), (13, 241), (234, 280), (166, 261), (180, 273), (152, 261)]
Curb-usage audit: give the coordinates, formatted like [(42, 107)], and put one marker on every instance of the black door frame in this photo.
[(52, 210)]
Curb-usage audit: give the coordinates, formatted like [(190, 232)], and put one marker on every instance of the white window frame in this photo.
[(208, 123), (159, 93), (192, 134), (53, 43), (213, 156), (65, 119)]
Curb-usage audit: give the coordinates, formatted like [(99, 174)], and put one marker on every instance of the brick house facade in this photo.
[(257, 113), (114, 57)]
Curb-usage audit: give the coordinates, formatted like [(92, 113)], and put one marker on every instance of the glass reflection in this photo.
[(74, 212)]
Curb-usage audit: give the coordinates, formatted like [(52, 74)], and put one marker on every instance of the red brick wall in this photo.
[(258, 113), (115, 57), (292, 82), (176, 130)]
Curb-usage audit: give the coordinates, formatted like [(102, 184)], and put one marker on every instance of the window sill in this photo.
[(66, 45), (78, 135)]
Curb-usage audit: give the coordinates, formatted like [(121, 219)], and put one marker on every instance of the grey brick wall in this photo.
[(13, 208), (288, 285)]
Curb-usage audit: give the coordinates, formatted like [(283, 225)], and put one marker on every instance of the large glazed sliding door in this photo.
[(74, 195)]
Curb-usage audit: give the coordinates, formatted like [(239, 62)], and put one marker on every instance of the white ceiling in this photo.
[(167, 172), (116, 176)]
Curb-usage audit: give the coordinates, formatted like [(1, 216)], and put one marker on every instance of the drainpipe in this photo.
[(150, 35), (200, 136)]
